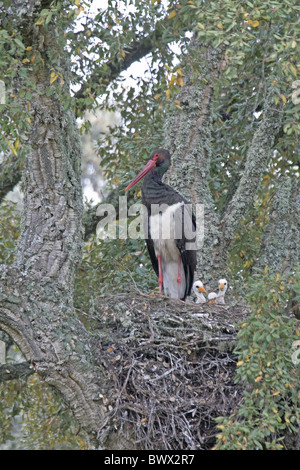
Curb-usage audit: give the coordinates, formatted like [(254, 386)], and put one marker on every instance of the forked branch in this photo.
[(257, 159)]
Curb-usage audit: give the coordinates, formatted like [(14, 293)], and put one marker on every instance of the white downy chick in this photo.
[(212, 297), (199, 290), (221, 293)]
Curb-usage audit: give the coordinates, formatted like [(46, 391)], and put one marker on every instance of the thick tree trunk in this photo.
[(37, 291)]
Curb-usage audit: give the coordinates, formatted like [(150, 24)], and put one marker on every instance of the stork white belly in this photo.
[(162, 232)]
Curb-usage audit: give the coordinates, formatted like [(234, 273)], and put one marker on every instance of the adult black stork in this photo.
[(170, 229)]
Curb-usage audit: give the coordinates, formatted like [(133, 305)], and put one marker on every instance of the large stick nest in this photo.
[(173, 367)]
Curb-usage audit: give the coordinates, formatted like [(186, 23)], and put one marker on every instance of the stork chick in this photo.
[(199, 290), (221, 293), (212, 297)]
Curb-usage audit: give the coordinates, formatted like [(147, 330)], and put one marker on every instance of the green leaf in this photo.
[(19, 43)]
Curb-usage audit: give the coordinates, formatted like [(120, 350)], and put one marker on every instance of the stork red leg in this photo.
[(160, 275), (179, 276)]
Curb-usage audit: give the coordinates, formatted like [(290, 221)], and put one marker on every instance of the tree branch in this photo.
[(256, 161), (236, 177), (10, 175), (22, 9), (136, 51), (15, 371)]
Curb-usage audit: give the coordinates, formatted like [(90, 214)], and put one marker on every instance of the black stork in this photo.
[(171, 253)]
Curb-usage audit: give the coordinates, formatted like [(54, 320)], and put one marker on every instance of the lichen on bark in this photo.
[(37, 290), (280, 248)]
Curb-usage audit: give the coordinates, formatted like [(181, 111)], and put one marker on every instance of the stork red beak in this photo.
[(151, 164), (222, 287)]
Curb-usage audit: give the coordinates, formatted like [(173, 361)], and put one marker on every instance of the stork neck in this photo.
[(153, 189)]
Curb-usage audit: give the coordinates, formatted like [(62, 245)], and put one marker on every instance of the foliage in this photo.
[(260, 40), (15, 120), (32, 416), (19, 59), (112, 266), (141, 101), (267, 368), (260, 44)]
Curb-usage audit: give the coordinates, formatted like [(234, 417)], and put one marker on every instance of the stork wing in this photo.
[(149, 241), (185, 234), (152, 255)]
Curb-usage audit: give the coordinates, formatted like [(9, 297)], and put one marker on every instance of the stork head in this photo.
[(212, 297), (223, 285), (159, 159), (199, 288)]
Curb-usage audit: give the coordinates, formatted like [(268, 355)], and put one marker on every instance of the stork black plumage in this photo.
[(170, 228)]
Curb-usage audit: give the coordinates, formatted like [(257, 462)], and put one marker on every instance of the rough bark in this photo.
[(280, 248), (257, 159), (188, 137), (37, 290)]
